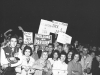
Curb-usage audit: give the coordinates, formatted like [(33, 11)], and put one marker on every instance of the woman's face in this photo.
[(69, 54), (76, 57), (55, 55), (27, 52), (44, 55)]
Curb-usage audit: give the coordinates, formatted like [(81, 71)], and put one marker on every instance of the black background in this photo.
[(82, 16)]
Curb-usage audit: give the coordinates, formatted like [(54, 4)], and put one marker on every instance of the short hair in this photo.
[(15, 36), (63, 53), (75, 54), (27, 47)]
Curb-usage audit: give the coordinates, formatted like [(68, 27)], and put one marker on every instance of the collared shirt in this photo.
[(86, 62), (59, 68)]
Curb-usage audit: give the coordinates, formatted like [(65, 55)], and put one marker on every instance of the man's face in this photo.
[(60, 48), (98, 58), (20, 39), (85, 51), (13, 42), (63, 57), (50, 47)]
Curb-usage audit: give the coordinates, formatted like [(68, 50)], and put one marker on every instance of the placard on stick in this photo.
[(64, 38), (28, 37), (45, 27), (42, 39)]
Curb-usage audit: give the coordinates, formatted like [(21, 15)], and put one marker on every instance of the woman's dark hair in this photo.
[(75, 54), (29, 48), (56, 51)]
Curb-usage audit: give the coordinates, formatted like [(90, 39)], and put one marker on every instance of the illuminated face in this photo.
[(20, 39), (27, 52), (44, 55), (60, 48), (63, 57), (55, 55), (76, 57), (85, 51), (50, 48), (70, 54), (13, 42), (98, 58)]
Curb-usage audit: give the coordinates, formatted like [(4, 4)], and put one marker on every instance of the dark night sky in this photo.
[(82, 16)]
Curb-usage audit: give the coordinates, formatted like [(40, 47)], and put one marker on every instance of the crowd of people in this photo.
[(55, 58)]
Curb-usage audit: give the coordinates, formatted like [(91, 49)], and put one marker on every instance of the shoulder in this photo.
[(32, 59), (49, 59), (70, 63)]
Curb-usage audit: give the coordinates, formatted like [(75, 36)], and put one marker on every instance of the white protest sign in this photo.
[(45, 27), (28, 37), (59, 27), (64, 38), (42, 39)]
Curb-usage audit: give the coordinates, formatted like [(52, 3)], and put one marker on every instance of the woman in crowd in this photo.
[(42, 66), (60, 67), (27, 62), (54, 57), (69, 56), (74, 67)]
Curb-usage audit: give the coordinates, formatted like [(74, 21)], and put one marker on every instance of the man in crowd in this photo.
[(86, 62), (96, 65), (50, 50), (10, 57)]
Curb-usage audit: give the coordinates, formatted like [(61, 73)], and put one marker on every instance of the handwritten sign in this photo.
[(42, 39), (64, 38), (59, 27), (45, 27), (28, 37)]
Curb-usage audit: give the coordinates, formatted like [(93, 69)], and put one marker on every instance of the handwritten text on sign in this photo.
[(59, 27), (64, 38), (28, 37), (42, 39)]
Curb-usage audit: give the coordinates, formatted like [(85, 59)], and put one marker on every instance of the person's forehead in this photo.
[(13, 39), (76, 55), (28, 50), (85, 49), (62, 55)]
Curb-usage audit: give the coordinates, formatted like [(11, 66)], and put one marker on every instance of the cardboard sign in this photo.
[(42, 39), (45, 27), (59, 27), (28, 37), (64, 38)]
